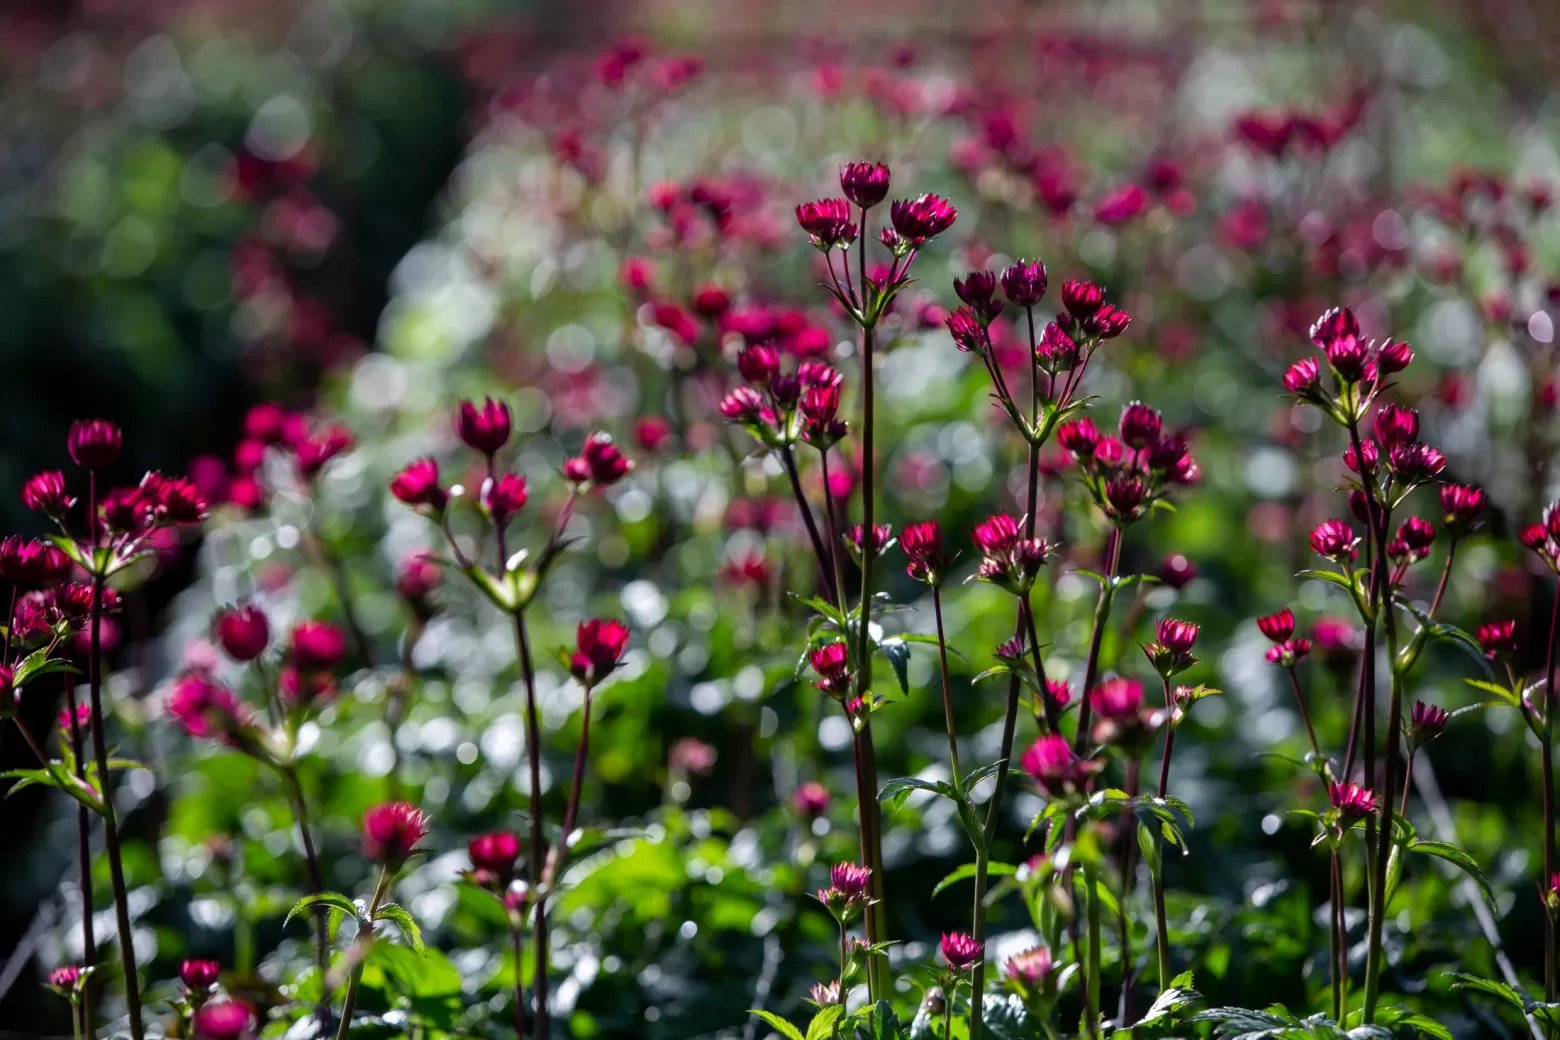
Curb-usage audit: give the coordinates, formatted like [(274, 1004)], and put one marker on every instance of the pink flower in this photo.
[(1337, 334), (495, 854), (598, 464), (1396, 426), (651, 432), (419, 576), (810, 800), (1426, 723), (317, 646), (418, 485), (1030, 970), (314, 451), (1333, 539), (1178, 636), (1289, 651), (205, 708), (1416, 463), (94, 443), (1117, 699), (599, 647), (391, 832), (45, 493), (1303, 376), (996, 535), (199, 974), (832, 663), (1051, 763), (1082, 298), (827, 223), (923, 218), (1140, 425), (1079, 436), (922, 543), (961, 951), (864, 183), (759, 364), (1352, 801), (1392, 358), (968, 331), (1498, 639), (1461, 505), (224, 1020), (851, 880), (743, 405), (485, 429), (1121, 205), (1278, 627), (243, 632), (691, 756), (1024, 282), (505, 496)]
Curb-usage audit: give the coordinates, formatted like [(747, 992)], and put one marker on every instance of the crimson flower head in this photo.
[(505, 496), (1117, 698), (1393, 357), (1334, 539), (1059, 692), (418, 485), (996, 535), (810, 800), (759, 364), (832, 663), (978, 290), (317, 646), (243, 632), (1050, 761), (391, 832), (969, 333), (1024, 282), (1125, 498), (205, 708), (961, 951), (1337, 334), (1288, 652), (1396, 426), (922, 543), (1175, 635), (1461, 505), (45, 493), (851, 879), (419, 576), (1140, 425), (1426, 722), (598, 464), (484, 429), (1498, 639), (65, 977), (743, 405), (495, 854), (864, 183), (1417, 535), (825, 994), (711, 301), (1415, 463), (827, 223), (921, 219), (1364, 459), (1278, 627), (33, 564), (1107, 323), (199, 974), (1303, 377), (599, 647), (1030, 973), (1079, 436), (315, 450), (94, 443), (858, 540), (224, 1020), (1082, 298), (1352, 801)]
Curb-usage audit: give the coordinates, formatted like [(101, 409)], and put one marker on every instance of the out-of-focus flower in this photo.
[(94, 443), (1426, 722), (418, 485), (1050, 761), (317, 646), (599, 647), (199, 975), (207, 709), (1278, 627), (224, 1020), (599, 463), (392, 831), (691, 757), (493, 855), (1352, 801), (1498, 639), (832, 663), (483, 428), (810, 800), (243, 632), (505, 496), (45, 493)]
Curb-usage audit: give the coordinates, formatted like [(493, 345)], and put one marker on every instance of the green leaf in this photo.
[(1172, 1001), (38, 664), (1506, 696), (1458, 858), (334, 900), (403, 920), (785, 1028), (898, 654), (1395, 1017), (968, 870), (885, 1023), (57, 775), (1492, 987), (930, 640), (823, 1023), (899, 788), (425, 976)]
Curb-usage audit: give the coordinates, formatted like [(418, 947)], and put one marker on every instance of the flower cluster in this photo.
[(1128, 473)]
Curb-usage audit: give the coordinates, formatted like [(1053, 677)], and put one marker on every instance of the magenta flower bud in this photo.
[(317, 646), (1030, 973), (1352, 802), (45, 493), (1175, 635), (1368, 453), (1117, 699), (495, 854), (819, 373), (827, 223), (821, 404), (1396, 426), (759, 364), (851, 880), (392, 831), (1057, 351), (94, 443), (1498, 639), (1277, 627), (961, 951), (1461, 505), (690, 756), (199, 974), (1107, 323), (266, 423), (485, 429), (1140, 425), (1392, 358), (243, 632), (1359, 506), (743, 405), (1059, 693), (1418, 535), (711, 301), (922, 543), (418, 485), (505, 496), (599, 648), (1053, 766), (1337, 334), (64, 978), (1125, 498), (206, 709), (1079, 436), (864, 183), (877, 543), (1024, 282), (923, 218), (978, 289), (1333, 539), (825, 994), (598, 464), (1288, 652), (1082, 298), (1416, 463), (832, 663), (1426, 723), (418, 579), (1303, 377), (811, 800), (224, 1020), (996, 535), (968, 331)]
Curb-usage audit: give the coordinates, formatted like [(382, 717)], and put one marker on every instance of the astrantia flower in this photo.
[(1278, 627), (978, 291), (1056, 351), (1177, 635), (505, 496), (810, 800), (961, 951), (1333, 539), (1303, 377), (1125, 498), (199, 974), (392, 831), (1415, 463), (832, 663), (1140, 425), (1032, 974), (858, 540), (743, 404), (317, 646), (1352, 801), (243, 632), (1081, 298), (1106, 323), (825, 994), (418, 485), (1498, 639), (1366, 457), (1396, 426), (599, 648), (1418, 534), (493, 855), (224, 1020), (598, 464), (1050, 761), (1024, 282), (314, 451), (1426, 722), (851, 879), (920, 219), (864, 183), (1059, 693), (1337, 334), (996, 535), (922, 543), (1079, 436), (759, 364), (483, 428), (1461, 505), (205, 708), (968, 331), (64, 978), (94, 443), (827, 223), (1393, 357), (45, 493)]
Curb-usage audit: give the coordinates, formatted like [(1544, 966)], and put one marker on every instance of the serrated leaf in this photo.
[(1172, 1001), (885, 1023), (823, 1023), (403, 920), (1458, 858), (38, 664), (898, 654), (1396, 1017), (1492, 987), (968, 870), (785, 1028), (335, 900)]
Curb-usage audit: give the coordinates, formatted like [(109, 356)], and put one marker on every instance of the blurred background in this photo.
[(370, 209)]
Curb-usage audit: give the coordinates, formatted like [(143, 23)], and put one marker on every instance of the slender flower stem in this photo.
[(116, 867), (825, 555), (1128, 840), (1305, 714), (1102, 607), (571, 811), (978, 933), (515, 941), (350, 1001), (538, 847), (83, 856), (830, 520), (399, 693), (1550, 966), (1091, 881), (1335, 939), (1408, 781), (311, 862), (947, 692), (1161, 919)]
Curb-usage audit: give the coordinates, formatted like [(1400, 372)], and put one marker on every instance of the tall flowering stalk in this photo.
[(511, 584)]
